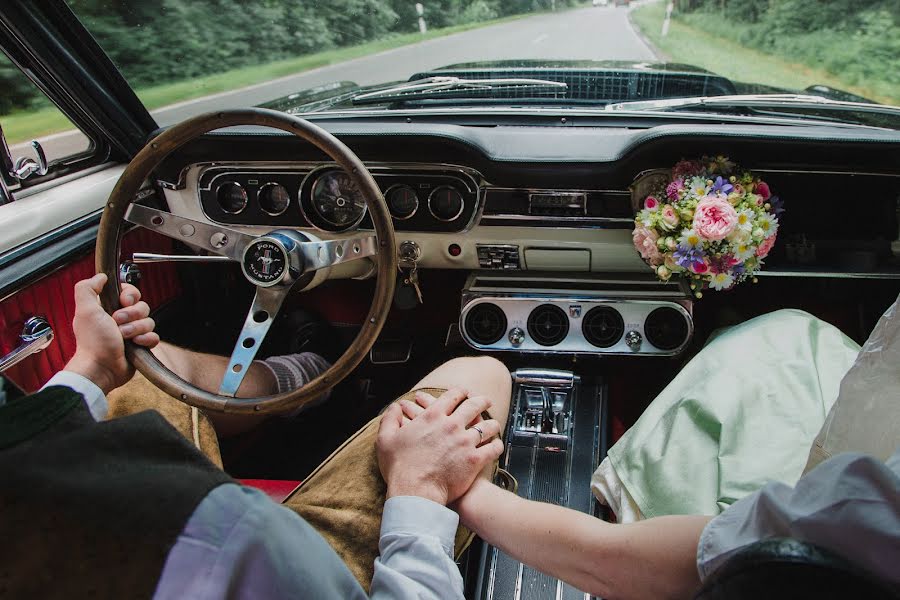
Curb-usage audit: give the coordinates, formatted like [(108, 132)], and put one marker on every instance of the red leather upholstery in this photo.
[(52, 297), (276, 489)]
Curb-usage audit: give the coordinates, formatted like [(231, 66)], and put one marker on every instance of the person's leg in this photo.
[(264, 378), (343, 497), (478, 375)]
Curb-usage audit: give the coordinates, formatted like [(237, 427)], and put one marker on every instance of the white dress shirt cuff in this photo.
[(93, 395), (420, 517)]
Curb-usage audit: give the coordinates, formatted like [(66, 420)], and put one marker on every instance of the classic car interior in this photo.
[(510, 236)]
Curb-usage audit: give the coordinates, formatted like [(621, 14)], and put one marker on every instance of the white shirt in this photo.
[(849, 504)]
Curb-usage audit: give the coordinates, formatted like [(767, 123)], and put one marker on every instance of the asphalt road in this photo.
[(600, 33)]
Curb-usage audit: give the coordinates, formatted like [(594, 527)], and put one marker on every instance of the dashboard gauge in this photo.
[(337, 200), (273, 198), (232, 197), (445, 203), (403, 201)]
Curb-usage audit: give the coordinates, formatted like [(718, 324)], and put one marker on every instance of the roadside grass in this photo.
[(26, 125), (695, 46)]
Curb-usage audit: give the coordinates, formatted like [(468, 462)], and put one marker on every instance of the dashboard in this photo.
[(547, 211)]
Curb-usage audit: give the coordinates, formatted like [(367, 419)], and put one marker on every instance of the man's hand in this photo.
[(99, 337), (436, 455)]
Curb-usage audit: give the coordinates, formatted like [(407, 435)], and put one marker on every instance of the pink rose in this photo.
[(762, 188), (645, 243), (651, 204), (766, 246), (669, 217), (700, 267), (714, 218)]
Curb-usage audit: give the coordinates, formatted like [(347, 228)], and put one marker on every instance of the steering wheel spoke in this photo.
[(320, 255), (223, 241), (263, 311)]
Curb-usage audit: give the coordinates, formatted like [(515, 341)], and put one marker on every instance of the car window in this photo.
[(27, 115)]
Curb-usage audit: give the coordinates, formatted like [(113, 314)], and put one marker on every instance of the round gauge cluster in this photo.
[(446, 203), (337, 200), (232, 197), (273, 198), (403, 201), (329, 199)]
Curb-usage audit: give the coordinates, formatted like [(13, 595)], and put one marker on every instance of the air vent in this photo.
[(666, 328), (486, 323), (548, 325), (603, 326)]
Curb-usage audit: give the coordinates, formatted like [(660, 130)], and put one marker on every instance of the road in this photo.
[(601, 33)]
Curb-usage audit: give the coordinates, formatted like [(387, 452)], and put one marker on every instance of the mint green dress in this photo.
[(742, 413)]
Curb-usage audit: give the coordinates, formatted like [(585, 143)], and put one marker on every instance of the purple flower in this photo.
[(738, 270), (673, 188), (721, 186), (690, 257)]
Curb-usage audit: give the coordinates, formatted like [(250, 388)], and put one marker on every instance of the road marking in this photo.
[(540, 38)]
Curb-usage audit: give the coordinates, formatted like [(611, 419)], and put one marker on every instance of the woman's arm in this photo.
[(654, 559)]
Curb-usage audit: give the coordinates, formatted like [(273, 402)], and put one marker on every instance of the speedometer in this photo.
[(337, 200)]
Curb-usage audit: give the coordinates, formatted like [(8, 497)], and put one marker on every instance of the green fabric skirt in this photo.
[(742, 413)]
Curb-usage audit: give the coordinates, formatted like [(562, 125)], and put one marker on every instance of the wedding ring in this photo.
[(480, 433)]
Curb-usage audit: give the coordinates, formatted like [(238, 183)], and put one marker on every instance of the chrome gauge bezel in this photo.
[(243, 193), (259, 194), (462, 204), (387, 198), (314, 177)]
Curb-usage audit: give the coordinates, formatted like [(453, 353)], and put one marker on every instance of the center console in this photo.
[(555, 439)]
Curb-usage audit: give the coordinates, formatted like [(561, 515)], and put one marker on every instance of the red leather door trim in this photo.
[(52, 297)]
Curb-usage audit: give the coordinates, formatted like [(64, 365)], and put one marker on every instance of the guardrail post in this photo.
[(420, 10)]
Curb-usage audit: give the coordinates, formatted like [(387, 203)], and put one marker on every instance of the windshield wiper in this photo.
[(753, 101), (456, 87)]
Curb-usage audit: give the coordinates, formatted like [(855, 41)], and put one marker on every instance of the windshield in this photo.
[(183, 57)]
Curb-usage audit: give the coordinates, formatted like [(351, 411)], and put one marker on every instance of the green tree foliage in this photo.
[(857, 39), (161, 41)]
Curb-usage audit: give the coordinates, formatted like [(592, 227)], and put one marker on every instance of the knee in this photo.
[(487, 369)]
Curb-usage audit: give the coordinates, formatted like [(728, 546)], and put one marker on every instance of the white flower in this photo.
[(739, 236), (689, 238), (743, 250), (644, 219), (721, 281), (768, 223), (745, 220), (759, 234)]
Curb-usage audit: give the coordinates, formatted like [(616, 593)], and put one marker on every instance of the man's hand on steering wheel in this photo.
[(99, 337)]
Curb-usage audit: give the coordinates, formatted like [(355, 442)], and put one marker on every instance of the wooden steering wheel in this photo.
[(273, 262)]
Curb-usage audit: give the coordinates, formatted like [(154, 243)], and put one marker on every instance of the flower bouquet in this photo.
[(709, 222)]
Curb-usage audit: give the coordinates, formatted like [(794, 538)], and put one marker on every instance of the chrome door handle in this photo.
[(36, 335)]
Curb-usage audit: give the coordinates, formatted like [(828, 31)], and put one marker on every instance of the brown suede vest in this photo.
[(91, 509)]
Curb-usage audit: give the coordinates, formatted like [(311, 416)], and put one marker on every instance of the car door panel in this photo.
[(51, 297)]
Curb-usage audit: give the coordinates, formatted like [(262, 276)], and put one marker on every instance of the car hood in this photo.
[(590, 81)]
